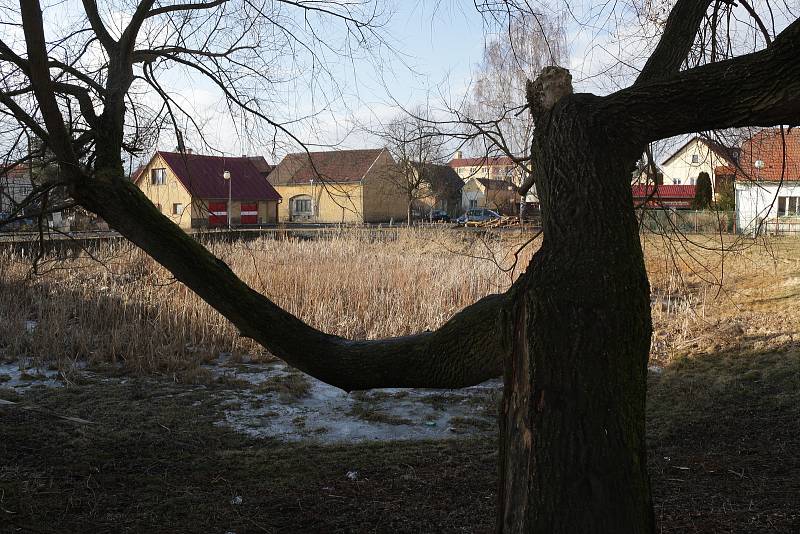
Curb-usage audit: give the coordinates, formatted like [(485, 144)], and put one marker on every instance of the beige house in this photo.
[(695, 156), (340, 186), (191, 189), (497, 195), (488, 168)]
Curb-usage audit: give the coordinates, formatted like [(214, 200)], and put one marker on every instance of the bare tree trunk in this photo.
[(572, 455)]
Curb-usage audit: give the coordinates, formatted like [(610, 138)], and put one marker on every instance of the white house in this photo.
[(768, 207), (695, 156), (767, 183)]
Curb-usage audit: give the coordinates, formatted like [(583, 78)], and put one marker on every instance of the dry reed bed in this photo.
[(127, 309), (365, 285)]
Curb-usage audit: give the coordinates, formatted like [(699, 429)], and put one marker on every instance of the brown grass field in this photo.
[(723, 407)]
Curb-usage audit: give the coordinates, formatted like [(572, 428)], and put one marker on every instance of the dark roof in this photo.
[(202, 176), (331, 166), (134, 177), (440, 177), (495, 185), (261, 164), (664, 192), (480, 162), (721, 151)]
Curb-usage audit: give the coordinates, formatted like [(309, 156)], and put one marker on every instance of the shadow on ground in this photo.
[(724, 434)]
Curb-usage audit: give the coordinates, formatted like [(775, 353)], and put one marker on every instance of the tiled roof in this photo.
[(664, 192), (768, 146), (481, 162), (332, 166), (441, 177), (202, 176), (261, 164)]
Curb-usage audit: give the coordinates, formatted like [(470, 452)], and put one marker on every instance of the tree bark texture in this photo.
[(573, 453)]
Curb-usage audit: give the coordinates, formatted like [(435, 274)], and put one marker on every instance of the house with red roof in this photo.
[(339, 186), (767, 182), (191, 189), (486, 167)]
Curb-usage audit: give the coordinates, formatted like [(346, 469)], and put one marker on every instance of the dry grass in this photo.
[(128, 310), (365, 285)]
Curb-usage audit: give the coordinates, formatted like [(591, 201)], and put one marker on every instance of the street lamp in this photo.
[(226, 175)]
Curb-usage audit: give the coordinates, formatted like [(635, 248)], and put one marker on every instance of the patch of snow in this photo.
[(326, 414), (33, 376)]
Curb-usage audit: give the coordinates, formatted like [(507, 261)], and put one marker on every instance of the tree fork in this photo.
[(573, 455)]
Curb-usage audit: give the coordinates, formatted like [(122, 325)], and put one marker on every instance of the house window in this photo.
[(301, 205), (158, 176), (473, 203), (177, 209), (695, 158), (788, 206)]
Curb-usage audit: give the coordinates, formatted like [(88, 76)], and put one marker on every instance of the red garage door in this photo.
[(249, 214), (217, 213)]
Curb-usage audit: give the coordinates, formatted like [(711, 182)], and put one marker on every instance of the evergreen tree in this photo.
[(703, 193)]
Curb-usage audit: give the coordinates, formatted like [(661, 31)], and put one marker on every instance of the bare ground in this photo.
[(724, 432)]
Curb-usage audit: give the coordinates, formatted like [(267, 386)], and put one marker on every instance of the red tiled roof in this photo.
[(768, 146), (664, 192), (333, 166), (481, 162), (202, 177)]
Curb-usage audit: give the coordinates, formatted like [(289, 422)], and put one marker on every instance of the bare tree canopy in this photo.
[(572, 334)]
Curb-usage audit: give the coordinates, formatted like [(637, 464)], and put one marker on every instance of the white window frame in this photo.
[(177, 208)]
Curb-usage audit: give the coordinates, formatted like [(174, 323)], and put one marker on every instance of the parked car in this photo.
[(478, 215), (440, 216)]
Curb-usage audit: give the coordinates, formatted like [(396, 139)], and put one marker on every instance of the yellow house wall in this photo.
[(472, 190), (384, 199), (333, 202), (171, 192)]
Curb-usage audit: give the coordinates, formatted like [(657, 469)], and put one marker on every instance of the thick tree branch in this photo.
[(676, 41), (39, 75), (467, 350), (184, 7), (108, 42), (128, 40), (758, 89)]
